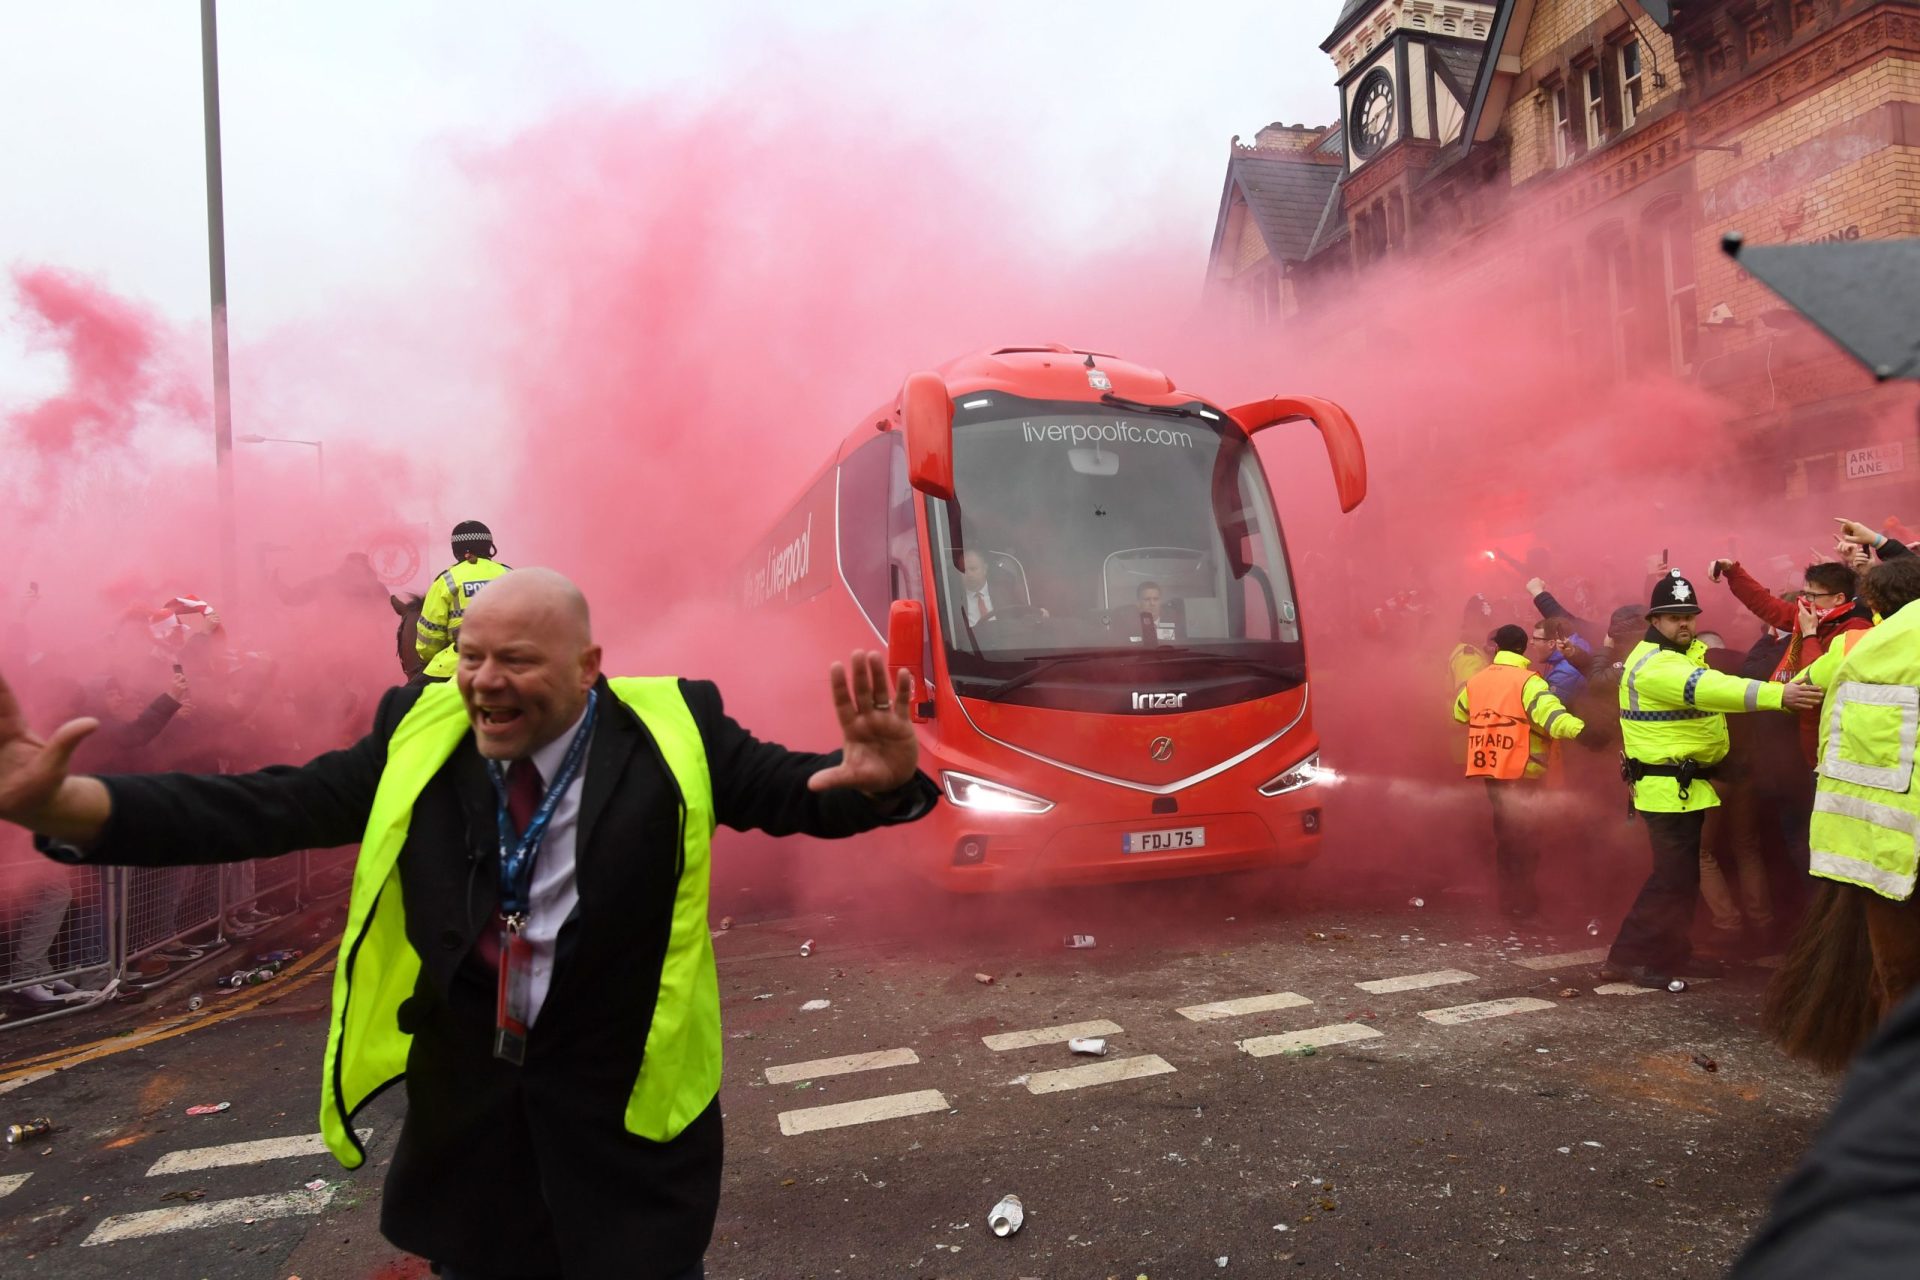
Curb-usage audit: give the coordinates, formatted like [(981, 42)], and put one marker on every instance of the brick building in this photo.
[(1598, 149)]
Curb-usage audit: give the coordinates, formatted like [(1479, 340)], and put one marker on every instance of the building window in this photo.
[(1612, 265), (1671, 248), (1593, 81), (1562, 125), (1631, 83)]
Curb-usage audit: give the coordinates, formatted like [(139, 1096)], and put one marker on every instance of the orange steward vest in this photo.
[(1500, 736)]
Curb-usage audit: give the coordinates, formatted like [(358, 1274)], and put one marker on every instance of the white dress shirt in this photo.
[(553, 894), (979, 605)]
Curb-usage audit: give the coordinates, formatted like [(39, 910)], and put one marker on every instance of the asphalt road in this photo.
[(1470, 1116)]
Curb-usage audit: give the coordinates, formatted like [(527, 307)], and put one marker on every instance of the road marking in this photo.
[(1623, 989), (891, 1107), (19, 1082), (42, 1065), (1564, 960), (12, 1183), (1049, 1035), (1459, 1013), (198, 1158), (1245, 1005), (875, 1061), (1416, 981), (1311, 1038), (213, 1213), (1147, 1064)]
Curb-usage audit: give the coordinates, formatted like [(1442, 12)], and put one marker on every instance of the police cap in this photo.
[(1673, 594)]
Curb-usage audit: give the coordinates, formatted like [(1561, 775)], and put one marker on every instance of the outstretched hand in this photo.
[(33, 769), (880, 752), (1856, 533), (1800, 696)]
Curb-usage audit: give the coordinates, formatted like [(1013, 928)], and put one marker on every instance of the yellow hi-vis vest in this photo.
[(437, 635), (1673, 708), (1866, 815), (378, 968)]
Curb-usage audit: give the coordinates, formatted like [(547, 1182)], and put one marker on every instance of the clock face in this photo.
[(1372, 113)]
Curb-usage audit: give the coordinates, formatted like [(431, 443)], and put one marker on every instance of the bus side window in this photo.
[(903, 535), (864, 515)]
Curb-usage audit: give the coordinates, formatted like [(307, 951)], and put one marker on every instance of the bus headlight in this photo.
[(1305, 774), (968, 792)]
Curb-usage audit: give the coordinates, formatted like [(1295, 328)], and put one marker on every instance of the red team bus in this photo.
[(1082, 567)]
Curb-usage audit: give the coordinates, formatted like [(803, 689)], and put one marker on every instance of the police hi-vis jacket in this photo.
[(437, 638), (1673, 709)]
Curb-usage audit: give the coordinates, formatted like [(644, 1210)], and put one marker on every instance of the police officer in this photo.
[(437, 639), (1513, 719), (1673, 727)]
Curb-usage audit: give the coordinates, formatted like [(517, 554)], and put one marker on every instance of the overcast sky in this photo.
[(343, 120)]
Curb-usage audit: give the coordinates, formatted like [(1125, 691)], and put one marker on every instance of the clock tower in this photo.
[(1406, 72)]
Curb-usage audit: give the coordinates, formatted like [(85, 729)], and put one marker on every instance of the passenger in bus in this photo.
[(1162, 618), (987, 591)]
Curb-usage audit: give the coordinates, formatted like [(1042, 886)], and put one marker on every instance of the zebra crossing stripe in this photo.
[(878, 1060), (1109, 1072), (1245, 1005), (1049, 1035), (1564, 960), (211, 1213), (1462, 1013), (1416, 981), (893, 1106), (1623, 989), (198, 1158), (1311, 1038), (12, 1182)]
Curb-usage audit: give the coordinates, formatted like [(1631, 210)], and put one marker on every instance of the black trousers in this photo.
[(1655, 933), (1516, 849), (696, 1272)]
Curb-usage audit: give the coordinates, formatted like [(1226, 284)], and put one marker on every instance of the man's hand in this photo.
[(881, 752), (1809, 619), (1856, 533), (1536, 586), (1718, 569), (35, 791), (1800, 696)]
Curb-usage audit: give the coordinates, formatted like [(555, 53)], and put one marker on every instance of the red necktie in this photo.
[(524, 789)]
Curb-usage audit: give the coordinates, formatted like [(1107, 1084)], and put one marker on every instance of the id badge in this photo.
[(515, 1001)]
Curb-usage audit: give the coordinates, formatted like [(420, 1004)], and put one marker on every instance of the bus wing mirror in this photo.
[(1342, 438), (926, 413), (907, 647)]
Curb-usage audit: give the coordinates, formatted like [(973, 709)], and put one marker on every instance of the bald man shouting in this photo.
[(526, 945)]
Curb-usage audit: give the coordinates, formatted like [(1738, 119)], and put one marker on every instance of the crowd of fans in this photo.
[(174, 689), (1763, 889)]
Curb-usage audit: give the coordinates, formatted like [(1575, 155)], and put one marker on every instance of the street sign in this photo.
[(1876, 460)]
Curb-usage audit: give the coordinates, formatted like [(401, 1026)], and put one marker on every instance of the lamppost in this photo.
[(217, 288), (319, 455)]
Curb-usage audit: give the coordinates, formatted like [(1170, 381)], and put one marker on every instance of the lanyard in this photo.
[(516, 857)]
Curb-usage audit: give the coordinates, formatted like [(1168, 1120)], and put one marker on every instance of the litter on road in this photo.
[(812, 1005), (208, 1108), (1079, 941), (806, 948), (1007, 1216), (1093, 1046)]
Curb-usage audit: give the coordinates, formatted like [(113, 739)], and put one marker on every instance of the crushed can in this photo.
[(18, 1133), (1676, 986), (1079, 942), (1007, 1216), (806, 948), (194, 1003), (1092, 1046)]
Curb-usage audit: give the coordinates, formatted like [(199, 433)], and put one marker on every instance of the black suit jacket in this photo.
[(521, 1170)]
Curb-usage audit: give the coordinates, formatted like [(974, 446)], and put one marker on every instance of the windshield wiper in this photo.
[(1175, 410), (1040, 668), (1295, 672)]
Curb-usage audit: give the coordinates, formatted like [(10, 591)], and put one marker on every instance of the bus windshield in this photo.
[(1093, 550)]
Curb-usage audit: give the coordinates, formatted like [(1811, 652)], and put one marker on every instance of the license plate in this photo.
[(1167, 841)]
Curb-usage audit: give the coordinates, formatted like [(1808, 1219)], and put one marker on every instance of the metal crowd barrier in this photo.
[(105, 929)]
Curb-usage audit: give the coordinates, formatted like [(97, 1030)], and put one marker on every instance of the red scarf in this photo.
[(1790, 664)]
